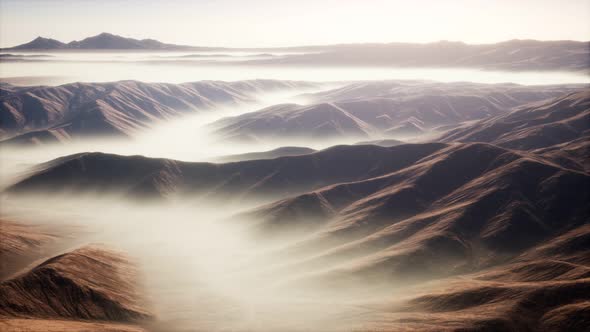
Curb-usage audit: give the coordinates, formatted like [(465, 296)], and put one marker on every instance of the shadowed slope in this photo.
[(545, 289), (444, 215), (537, 125), (97, 172)]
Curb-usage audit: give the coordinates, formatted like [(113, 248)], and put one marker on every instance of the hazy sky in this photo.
[(296, 22)]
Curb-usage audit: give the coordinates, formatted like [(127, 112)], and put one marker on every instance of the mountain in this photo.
[(103, 41), (532, 126), (546, 289), (45, 114), (271, 178), (394, 109), (457, 235), (107, 41), (320, 121), (41, 43), (508, 55), (425, 202), (89, 283)]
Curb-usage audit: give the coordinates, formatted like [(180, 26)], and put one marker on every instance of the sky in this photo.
[(262, 23)]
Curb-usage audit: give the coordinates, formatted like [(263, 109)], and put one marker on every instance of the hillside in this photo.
[(90, 283), (532, 126), (122, 108), (146, 177), (394, 109)]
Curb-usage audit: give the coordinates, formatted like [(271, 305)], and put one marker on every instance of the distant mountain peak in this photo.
[(41, 43), (104, 40)]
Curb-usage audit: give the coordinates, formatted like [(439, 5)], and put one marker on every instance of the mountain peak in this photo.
[(104, 40), (41, 43)]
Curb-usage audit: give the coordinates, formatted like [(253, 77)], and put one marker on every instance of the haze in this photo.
[(404, 166), (264, 23)]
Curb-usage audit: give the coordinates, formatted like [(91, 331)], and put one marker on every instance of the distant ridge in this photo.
[(508, 55), (103, 41)]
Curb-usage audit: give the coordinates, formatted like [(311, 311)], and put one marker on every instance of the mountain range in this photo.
[(103, 41), (508, 55), (480, 223), (57, 113), (485, 227), (393, 109), (360, 110)]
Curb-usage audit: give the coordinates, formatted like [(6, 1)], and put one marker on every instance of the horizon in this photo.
[(263, 23), (300, 45)]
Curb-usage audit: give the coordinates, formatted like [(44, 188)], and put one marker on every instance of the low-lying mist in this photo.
[(202, 268), (186, 138), (61, 68)]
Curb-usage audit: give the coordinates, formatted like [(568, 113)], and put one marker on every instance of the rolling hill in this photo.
[(532, 126), (147, 177), (383, 109), (42, 114)]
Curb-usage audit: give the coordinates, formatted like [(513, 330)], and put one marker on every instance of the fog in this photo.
[(179, 67), (204, 267), (187, 138), (201, 269)]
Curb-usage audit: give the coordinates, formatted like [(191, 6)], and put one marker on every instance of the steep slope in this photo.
[(90, 283), (546, 289), (573, 154), (427, 221), (119, 108), (389, 108), (532, 126), (140, 176)]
